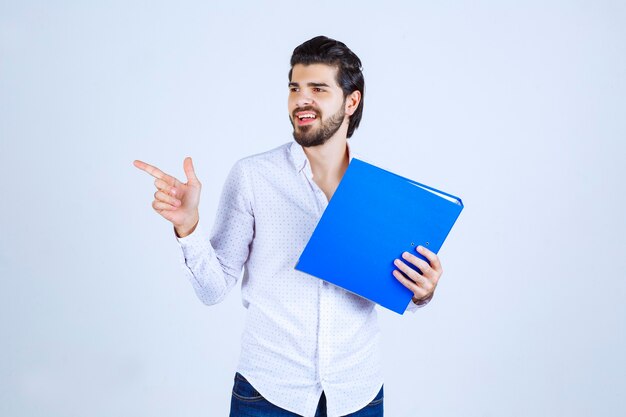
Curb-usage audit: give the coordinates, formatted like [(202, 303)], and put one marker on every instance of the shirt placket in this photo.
[(323, 336)]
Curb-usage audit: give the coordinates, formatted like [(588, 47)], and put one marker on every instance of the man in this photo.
[(309, 348)]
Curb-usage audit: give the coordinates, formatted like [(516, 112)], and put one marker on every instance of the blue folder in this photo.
[(374, 216)]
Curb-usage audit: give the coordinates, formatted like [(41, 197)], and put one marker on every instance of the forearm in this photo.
[(202, 267), (214, 265)]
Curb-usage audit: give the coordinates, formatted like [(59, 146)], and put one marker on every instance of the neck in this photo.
[(330, 160)]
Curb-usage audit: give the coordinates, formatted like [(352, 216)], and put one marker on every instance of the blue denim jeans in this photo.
[(247, 402)]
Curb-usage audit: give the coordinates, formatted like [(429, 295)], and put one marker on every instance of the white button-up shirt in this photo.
[(302, 335)]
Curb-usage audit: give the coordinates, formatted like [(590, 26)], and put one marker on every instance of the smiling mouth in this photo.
[(305, 117)]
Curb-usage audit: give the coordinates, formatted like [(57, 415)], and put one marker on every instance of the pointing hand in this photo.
[(176, 201)]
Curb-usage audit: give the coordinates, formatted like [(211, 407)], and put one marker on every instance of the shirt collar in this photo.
[(300, 160)]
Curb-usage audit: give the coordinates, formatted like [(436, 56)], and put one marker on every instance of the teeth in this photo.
[(306, 116)]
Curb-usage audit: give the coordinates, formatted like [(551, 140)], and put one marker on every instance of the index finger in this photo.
[(155, 172)]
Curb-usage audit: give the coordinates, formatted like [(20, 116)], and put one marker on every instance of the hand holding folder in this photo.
[(373, 217), (419, 276)]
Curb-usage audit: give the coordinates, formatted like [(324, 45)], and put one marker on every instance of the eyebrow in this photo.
[(309, 85)]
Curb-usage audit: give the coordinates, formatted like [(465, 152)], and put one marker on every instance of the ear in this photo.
[(352, 102)]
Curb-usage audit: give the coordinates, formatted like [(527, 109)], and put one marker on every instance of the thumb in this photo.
[(189, 171)]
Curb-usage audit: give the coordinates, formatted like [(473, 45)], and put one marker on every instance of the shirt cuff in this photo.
[(194, 243), (412, 307), (201, 265), (196, 248)]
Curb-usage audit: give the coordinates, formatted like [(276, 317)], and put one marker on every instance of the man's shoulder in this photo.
[(273, 157)]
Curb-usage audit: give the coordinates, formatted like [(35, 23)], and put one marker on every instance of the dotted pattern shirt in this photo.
[(302, 335)]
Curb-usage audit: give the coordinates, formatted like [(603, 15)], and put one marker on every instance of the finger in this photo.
[(417, 291), (189, 170), (420, 263), (161, 196), (426, 282), (165, 187), (160, 205), (410, 272), (432, 258), (154, 171)]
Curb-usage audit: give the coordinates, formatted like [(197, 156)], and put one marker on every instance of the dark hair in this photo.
[(323, 50)]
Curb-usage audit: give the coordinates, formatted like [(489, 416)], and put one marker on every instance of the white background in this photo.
[(520, 109)]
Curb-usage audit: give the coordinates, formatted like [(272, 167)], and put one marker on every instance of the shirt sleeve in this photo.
[(214, 265), (412, 307)]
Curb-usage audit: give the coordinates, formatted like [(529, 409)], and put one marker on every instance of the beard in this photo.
[(308, 135)]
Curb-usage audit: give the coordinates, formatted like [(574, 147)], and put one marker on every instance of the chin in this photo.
[(309, 141)]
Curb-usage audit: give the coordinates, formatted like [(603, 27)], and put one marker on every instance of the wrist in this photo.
[(422, 301), (185, 230)]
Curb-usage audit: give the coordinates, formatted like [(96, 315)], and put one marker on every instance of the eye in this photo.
[(293, 89), (318, 90)]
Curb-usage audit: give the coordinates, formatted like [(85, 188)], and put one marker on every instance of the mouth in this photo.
[(305, 117)]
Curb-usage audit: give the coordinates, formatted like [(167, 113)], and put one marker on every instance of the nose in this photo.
[(303, 98)]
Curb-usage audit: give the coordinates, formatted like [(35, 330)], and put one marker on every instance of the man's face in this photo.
[(316, 104)]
